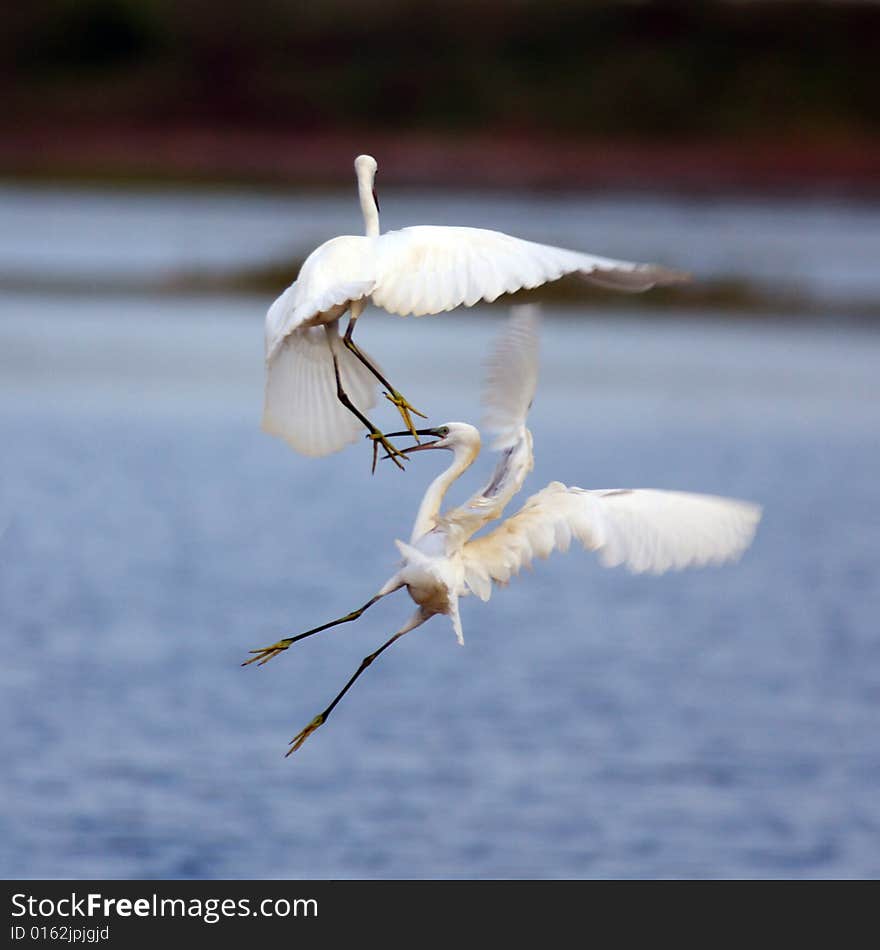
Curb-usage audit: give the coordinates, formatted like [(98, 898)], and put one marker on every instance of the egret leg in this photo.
[(374, 434), (403, 406), (418, 618), (264, 654)]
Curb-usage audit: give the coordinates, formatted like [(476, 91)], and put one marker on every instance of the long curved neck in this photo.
[(426, 519), (368, 205)]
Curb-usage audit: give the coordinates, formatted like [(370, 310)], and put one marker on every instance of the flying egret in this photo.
[(319, 387), (644, 529)]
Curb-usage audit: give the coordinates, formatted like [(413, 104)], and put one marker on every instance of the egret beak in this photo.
[(418, 432), (376, 199), (420, 447), (409, 449)]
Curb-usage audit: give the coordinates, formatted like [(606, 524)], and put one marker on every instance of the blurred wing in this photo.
[(431, 269), (511, 379), (645, 529)]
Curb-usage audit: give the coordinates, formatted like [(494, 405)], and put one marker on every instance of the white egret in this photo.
[(644, 529), (319, 387)]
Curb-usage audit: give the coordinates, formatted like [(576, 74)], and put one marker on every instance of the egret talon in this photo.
[(404, 408), (393, 453), (264, 654), (297, 741)]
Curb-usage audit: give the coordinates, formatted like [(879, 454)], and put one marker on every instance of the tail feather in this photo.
[(455, 617), (301, 405)]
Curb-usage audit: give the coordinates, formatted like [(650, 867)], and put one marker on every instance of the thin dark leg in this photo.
[(264, 654), (403, 406), (321, 718), (375, 434)]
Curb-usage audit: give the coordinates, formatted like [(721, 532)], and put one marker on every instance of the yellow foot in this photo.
[(301, 737), (404, 408), (264, 654), (394, 454)]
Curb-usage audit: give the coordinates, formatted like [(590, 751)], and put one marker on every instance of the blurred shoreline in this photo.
[(720, 298), (810, 255), (189, 154)]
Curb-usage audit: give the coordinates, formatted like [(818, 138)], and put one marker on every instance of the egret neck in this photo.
[(365, 166), (464, 452)]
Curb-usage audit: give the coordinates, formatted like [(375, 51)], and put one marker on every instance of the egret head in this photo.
[(365, 165), (365, 168), (455, 436)]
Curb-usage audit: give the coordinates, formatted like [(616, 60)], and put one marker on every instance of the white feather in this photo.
[(300, 404), (308, 302), (418, 270), (511, 378), (431, 269), (466, 265), (644, 529)]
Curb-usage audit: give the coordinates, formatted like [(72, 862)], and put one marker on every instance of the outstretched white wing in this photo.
[(645, 529), (418, 271), (431, 269)]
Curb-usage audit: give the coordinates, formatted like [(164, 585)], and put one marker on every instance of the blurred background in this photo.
[(164, 170)]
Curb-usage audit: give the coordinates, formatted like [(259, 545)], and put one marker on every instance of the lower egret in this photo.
[(646, 530)]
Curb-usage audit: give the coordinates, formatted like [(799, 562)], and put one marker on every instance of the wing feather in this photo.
[(300, 404), (338, 272), (646, 530), (459, 260), (296, 308), (417, 270), (511, 379)]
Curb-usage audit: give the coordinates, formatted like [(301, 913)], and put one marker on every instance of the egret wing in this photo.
[(645, 529), (300, 305), (511, 379), (338, 272), (431, 269), (300, 403)]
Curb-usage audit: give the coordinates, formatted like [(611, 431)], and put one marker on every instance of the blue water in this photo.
[(717, 723)]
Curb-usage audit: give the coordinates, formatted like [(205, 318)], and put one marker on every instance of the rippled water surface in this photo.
[(718, 723)]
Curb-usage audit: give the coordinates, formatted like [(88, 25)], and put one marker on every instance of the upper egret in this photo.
[(645, 529), (318, 389)]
